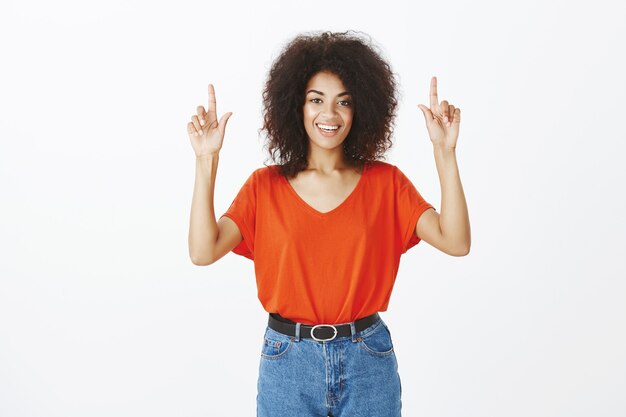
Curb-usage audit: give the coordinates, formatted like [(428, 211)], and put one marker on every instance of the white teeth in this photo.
[(327, 127)]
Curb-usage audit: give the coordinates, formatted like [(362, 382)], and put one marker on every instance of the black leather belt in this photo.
[(319, 332)]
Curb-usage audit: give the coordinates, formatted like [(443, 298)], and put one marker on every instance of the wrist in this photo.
[(209, 156), (444, 149)]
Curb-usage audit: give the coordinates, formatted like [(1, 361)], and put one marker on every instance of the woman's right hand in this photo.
[(205, 133)]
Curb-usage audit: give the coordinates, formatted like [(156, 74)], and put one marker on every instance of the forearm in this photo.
[(203, 226), (453, 218)]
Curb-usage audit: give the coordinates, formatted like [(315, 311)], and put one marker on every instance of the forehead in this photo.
[(325, 81)]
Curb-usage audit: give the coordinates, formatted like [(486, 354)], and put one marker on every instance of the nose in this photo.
[(329, 109)]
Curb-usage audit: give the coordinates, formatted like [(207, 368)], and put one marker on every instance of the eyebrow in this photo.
[(345, 93)]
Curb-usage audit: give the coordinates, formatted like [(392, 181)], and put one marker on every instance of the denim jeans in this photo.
[(350, 376)]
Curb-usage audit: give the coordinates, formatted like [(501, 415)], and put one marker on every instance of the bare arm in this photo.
[(209, 240), (203, 230), (207, 135), (450, 231)]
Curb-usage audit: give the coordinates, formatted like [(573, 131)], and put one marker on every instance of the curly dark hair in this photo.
[(364, 72)]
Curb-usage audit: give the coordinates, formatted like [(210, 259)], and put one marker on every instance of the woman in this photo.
[(327, 224)]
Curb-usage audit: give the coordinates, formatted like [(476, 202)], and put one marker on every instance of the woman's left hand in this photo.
[(442, 120)]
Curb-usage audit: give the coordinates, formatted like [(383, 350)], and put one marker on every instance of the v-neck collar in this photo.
[(350, 196)]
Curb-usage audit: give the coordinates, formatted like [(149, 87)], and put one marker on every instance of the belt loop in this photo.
[(353, 331), (297, 331)]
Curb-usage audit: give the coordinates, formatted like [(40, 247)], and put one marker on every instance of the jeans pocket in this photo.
[(377, 342), (275, 344)]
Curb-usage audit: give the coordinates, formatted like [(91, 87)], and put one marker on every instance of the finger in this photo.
[(224, 121), (444, 110), (201, 114), (434, 101), (212, 114), (196, 123), (457, 115), (451, 110), (191, 129), (428, 115)]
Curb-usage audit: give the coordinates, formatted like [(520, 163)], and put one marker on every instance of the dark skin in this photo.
[(448, 231)]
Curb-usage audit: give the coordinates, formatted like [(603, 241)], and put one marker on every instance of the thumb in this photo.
[(223, 121), (428, 115)]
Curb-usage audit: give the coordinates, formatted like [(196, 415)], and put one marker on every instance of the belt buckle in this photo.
[(323, 340)]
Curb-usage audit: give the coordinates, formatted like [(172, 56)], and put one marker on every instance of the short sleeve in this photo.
[(409, 207), (242, 211)]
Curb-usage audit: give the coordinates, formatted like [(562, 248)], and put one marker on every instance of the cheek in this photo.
[(347, 118), (308, 113)]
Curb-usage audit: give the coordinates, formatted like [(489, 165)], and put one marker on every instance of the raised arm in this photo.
[(208, 240), (450, 230)]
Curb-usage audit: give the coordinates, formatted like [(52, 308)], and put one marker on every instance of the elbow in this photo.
[(464, 251), (200, 260), (460, 251), (200, 254), (455, 246)]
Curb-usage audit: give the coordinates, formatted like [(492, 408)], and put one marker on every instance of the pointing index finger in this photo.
[(212, 113), (434, 100)]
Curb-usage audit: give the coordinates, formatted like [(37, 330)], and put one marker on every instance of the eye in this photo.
[(346, 103), (313, 100)]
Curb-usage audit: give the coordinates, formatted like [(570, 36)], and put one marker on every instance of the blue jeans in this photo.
[(350, 376)]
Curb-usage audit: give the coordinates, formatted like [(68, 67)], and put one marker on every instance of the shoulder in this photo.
[(263, 176), (384, 170), (382, 166), (390, 174), (264, 171), (267, 172)]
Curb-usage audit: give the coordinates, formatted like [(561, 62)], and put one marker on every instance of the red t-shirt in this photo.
[(334, 267)]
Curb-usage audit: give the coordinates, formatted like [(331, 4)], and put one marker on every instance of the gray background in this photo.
[(102, 312)]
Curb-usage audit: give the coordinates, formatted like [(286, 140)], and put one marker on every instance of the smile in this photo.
[(327, 128)]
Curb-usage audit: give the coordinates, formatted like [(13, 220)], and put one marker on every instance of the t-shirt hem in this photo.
[(247, 237), (419, 210)]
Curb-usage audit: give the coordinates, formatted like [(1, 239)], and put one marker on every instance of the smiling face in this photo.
[(327, 111)]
